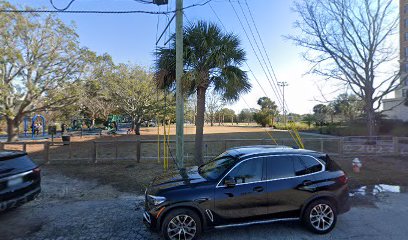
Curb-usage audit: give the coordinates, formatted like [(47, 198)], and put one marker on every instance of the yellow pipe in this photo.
[(293, 137), (158, 140), (164, 144), (297, 136), (299, 139), (168, 144), (270, 135)]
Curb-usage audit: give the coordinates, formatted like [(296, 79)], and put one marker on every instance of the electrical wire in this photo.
[(249, 68), (99, 11), (263, 46), (72, 1), (61, 9), (273, 84), (216, 15), (253, 49)]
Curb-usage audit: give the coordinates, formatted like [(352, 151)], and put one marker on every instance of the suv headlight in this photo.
[(156, 200)]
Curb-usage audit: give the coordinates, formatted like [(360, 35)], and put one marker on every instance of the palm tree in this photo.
[(212, 59)]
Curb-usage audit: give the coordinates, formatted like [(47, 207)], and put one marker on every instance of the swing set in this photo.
[(33, 125)]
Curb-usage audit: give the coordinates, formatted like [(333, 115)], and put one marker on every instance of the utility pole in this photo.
[(179, 74), (179, 89), (283, 85)]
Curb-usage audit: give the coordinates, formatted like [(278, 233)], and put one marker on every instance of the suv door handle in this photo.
[(258, 189), (307, 183)]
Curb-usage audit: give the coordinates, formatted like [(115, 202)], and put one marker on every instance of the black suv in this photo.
[(248, 185), (20, 179)]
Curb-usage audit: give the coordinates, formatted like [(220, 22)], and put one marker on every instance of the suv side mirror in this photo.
[(229, 182)]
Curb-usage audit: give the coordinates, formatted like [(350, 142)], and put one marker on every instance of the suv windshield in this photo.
[(214, 168)]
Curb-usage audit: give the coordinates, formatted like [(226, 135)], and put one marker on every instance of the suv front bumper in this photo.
[(150, 221)]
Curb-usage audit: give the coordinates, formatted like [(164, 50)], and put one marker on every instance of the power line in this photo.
[(253, 49), (271, 83), (249, 68), (263, 45), (246, 103), (72, 1), (188, 20), (61, 9), (216, 15), (98, 11)]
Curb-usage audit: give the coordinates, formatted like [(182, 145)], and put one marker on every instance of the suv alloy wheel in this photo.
[(181, 224), (320, 216)]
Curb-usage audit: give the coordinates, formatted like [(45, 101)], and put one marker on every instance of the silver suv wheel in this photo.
[(321, 217), (182, 227)]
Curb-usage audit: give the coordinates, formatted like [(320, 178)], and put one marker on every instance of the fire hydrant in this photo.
[(357, 165)]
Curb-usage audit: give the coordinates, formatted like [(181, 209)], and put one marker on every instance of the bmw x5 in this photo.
[(248, 185)]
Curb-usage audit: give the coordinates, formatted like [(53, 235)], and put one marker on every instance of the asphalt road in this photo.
[(74, 209)]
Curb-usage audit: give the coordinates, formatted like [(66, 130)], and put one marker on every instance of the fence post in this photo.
[(94, 152), (47, 152), (138, 151), (395, 144)]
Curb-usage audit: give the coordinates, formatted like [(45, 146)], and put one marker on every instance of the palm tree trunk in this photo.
[(198, 155)]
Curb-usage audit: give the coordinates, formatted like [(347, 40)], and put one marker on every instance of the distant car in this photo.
[(248, 185), (20, 179)]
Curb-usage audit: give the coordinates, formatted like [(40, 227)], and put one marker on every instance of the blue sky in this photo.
[(132, 37)]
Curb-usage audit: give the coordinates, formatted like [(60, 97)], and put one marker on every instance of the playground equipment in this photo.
[(33, 125), (77, 123)]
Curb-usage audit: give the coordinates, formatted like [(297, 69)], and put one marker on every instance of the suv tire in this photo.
[(320, 216), (181, 224)]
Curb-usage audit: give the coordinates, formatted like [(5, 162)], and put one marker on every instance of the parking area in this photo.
[(70, 208)]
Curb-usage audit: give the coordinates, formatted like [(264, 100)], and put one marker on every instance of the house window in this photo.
[(406, 36), (406, 52), (406, 67), (406, 9), (406, 23)]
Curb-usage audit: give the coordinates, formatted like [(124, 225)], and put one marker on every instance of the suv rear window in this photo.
[(306, 165)]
